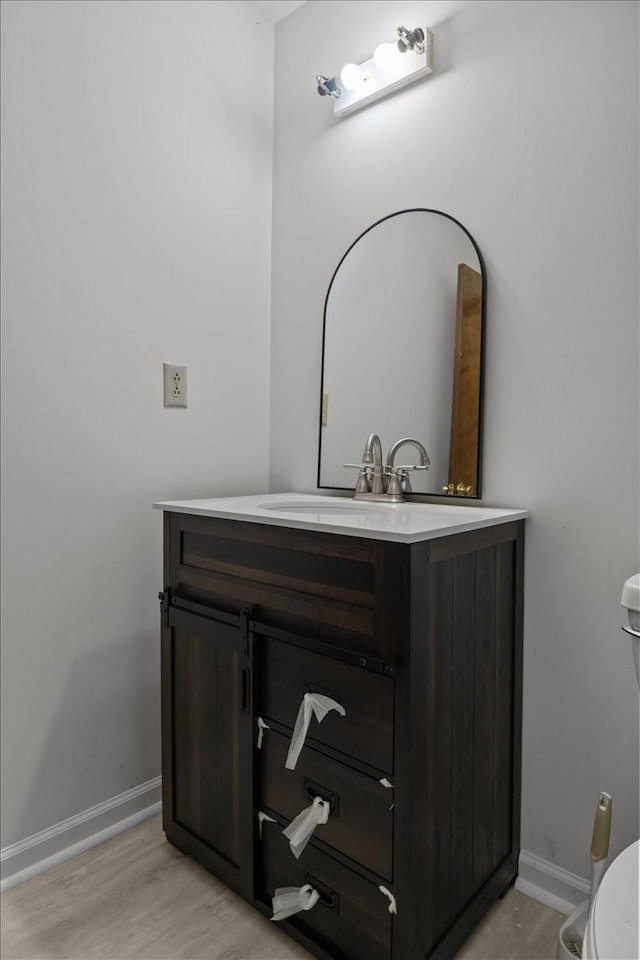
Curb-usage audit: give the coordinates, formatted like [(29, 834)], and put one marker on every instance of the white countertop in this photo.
[(403, 522)]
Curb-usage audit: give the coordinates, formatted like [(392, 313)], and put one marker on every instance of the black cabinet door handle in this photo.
[(246, 690)]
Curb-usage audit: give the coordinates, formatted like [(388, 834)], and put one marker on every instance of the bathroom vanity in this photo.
[(410, 617)]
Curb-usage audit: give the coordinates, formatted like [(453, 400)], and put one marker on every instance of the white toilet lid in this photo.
[(612, 930)]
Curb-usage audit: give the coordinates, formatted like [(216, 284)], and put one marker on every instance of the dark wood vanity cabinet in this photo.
[(421, 645)]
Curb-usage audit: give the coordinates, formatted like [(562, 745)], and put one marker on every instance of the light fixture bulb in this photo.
[(351, 76), (386, 57)]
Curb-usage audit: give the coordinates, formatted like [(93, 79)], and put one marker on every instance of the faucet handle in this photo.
[(402, 472), (362, 484), (371, 478), (394, 485)]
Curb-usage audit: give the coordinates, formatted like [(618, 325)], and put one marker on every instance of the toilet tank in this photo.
[(631, 600)]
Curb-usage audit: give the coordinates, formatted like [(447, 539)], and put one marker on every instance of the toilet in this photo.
[(612, 931), (612, 925)]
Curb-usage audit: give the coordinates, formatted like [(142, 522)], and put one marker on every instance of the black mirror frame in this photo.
[(483, 321)]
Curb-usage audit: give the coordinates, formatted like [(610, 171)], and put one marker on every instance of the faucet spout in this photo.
[(424, 457), (373, 454), (373, 450)]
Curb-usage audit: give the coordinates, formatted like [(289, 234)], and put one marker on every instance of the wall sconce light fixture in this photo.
[(392, 66)]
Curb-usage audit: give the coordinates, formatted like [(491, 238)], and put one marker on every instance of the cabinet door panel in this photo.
[(211, 741)]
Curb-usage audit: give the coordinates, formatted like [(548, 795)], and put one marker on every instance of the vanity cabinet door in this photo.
[(207, 748)]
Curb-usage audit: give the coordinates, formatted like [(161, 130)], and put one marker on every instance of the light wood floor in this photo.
[(136, 896)]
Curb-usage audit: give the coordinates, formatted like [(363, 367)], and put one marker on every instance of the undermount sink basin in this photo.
[(326, 509)]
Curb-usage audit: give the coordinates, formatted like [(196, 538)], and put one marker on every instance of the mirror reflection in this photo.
[(402, 352)]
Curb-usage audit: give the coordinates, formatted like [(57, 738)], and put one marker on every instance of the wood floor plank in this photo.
[(136, 897), (516, 928)]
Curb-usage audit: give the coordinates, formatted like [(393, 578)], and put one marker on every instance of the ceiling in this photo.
[(275, 10)]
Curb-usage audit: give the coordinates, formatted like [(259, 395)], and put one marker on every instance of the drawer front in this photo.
[(287, 577), (365, 733), (352, 914), (360, 824)]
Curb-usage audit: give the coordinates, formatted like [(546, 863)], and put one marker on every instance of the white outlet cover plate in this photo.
[(174, 379)]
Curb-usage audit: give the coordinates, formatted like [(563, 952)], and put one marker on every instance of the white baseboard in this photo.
[(42, 851), (549, 884), (537, 878)]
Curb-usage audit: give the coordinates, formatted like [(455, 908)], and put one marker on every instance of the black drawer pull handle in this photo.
[(326, 896), (314, 790)]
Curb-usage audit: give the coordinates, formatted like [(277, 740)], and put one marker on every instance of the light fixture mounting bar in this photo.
[(407, 68)]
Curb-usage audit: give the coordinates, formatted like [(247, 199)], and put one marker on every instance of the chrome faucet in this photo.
[(424, 456), (386, 482), (373, 454), (400, 474)]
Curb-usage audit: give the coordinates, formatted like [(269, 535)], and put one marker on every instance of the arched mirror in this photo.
[(402, 352)]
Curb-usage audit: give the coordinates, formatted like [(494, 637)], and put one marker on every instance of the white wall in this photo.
[(136, 218), (528, 134)]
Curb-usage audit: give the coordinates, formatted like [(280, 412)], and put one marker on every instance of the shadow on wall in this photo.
[(459, 38)]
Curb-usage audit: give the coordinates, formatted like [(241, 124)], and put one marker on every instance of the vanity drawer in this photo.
[(365, 733), (352, 914), (288, 577), (360, 823)]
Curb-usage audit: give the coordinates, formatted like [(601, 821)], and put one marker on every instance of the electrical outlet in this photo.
[(175, 385)]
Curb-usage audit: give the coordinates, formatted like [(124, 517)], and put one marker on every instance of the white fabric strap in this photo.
[(389, 786), (392, 899), (261, 819), (311, 703), (289, 900), (299, 830), (262, 726)]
